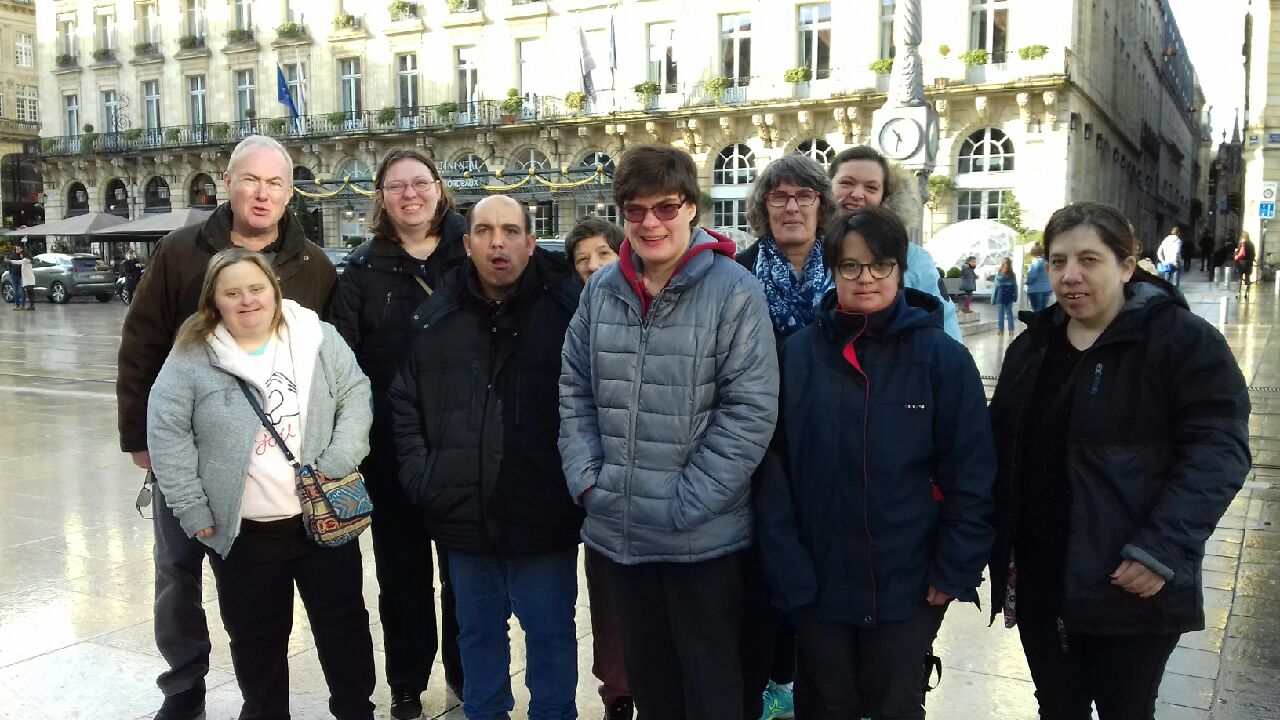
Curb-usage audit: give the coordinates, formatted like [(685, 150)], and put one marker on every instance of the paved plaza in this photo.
[(76, 571)]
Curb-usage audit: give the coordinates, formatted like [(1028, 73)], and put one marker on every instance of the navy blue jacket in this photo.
[(880, 478), (1006, 290)]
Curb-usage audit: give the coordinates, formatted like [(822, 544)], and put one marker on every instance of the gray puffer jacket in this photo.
[(666, 407)]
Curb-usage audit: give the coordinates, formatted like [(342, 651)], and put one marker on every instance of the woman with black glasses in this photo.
[(875, 502)]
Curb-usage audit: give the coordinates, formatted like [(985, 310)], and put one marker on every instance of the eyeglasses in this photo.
[(144, 495), (852, 269), (420, 186), (804, 198), (662, 211)]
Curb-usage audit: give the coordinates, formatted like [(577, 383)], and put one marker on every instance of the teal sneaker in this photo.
[(778, 703)]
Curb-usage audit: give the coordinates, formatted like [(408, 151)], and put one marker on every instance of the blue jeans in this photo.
[(1038, 300), (1004, 310), (542, 590), (19, 296)]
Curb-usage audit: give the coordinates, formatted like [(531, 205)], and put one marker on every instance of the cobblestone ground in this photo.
[(76, 573)]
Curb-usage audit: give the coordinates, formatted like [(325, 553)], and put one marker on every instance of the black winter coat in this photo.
[(476, 414), (879, 481), (1158, 445)]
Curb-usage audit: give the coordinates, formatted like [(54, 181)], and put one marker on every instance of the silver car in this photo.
[(60, 276)]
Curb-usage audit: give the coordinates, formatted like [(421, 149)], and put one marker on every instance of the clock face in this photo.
[(900, 138)]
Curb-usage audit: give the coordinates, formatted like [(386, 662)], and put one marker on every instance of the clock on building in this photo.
[(900, 138)]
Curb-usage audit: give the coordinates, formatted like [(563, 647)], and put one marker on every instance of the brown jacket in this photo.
[(170, 291)]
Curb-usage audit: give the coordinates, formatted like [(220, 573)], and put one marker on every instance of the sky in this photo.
[(1214, 33)]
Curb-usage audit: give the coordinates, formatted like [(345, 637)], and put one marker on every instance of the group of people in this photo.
[(21, 277), (1173, 255), (780, 461)]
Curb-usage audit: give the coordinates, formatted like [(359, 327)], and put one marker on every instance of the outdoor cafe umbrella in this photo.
[(156, 223), (87, 224)]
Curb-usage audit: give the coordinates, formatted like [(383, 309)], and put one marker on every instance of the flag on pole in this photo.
[(613, 56), (588, 65), (283, 94)]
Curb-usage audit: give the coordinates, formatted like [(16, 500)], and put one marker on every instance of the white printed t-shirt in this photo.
[(269, 488)]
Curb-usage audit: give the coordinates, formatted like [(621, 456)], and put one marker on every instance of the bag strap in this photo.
[(266, 423), (424, 285)]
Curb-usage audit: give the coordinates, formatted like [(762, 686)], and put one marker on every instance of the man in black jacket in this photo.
[(476, 420)]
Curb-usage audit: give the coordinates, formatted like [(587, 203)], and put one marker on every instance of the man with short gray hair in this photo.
[(259, 184)]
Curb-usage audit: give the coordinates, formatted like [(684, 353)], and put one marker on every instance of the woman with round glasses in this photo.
[(875, 502), (417, 235)]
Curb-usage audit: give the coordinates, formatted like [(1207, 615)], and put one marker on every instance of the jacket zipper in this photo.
[(866, 483), (386, 307), (631, 427)]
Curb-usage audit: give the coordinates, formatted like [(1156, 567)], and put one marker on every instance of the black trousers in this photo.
[(255, 596), (681, 626), (768, 643), (406, 589), (1121, 673), (849, 672)]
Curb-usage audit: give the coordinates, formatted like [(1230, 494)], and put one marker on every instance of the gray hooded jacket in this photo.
[(666, 414)]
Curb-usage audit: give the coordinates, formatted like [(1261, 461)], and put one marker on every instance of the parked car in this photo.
[(61, 276), (338, 256)]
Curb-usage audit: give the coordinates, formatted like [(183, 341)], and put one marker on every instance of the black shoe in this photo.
[(186, 705), (406, 704), (620, 709)]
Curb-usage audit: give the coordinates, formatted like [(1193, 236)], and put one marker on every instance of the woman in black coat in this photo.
[(1121, 423), (417, 236)]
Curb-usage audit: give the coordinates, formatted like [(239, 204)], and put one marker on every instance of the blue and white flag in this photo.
[(282, 93)]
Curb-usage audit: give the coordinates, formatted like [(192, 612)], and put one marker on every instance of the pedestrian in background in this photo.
[(131, 269), (968, 282), (22, 278), (1121, 422), (1206, 252), (1037, 280), (417, 236), (874, 515), (233, 488), (1005, 295), (1169, 257), (1244, 257), (592, 244)]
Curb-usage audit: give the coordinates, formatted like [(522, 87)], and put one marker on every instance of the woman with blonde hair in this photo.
[(231, 487)]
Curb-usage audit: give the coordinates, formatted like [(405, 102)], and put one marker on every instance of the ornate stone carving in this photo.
[(764, 128), (943, 106), (804, 120), (980, 105), (1050, 98), (1024, 108), (907, 89)]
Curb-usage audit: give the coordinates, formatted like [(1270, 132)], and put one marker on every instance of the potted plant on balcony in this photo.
[(402, 9), (944, 50), (799, 78), (881, 67), (250, 115), (221, 131), (133, 135), (458, 5), (288, 30), (66, 60), (171, 135), (345, 21), (1033, 52), (446, 110), (975, 57), (89, 138), (189, 42), (239, 35), (48, 145), (103, 54), (387, 115), (716, 86), (574, 100), (647, 91), (337, 117), (275, 126), (143, 49), (511, 106)]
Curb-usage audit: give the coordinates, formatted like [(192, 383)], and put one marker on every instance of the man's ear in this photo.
[(466, 242)]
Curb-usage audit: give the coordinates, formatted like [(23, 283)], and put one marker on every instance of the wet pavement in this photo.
[(76, 572)]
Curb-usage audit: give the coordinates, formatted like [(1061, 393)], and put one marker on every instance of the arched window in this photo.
[(735, 165), (530, 159), (817, 150), (156, 197), (77, 199), (731, 178), (592, 159), (355, 171), (987, 150), (602, 205), (117, 200), (203, 193)]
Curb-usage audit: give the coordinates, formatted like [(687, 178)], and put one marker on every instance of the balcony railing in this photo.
[(104, 55), (191, 42), (68, 60)]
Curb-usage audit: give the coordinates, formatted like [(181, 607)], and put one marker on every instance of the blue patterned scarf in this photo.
[(793, 301)]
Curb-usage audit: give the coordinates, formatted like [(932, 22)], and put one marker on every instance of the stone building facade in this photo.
[(1261, 147), (19, 111), (1077, 99)]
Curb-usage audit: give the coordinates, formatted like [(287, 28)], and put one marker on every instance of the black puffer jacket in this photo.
[(476, 414), (1156, 449)]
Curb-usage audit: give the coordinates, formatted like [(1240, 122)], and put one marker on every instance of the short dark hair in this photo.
[(524, 213), (591, 226), (863, 152), (881, 229), (379, 224), (800, 170), (653, 170), (1111, 225)]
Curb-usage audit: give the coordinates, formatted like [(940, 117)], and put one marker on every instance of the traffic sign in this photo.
[(1267, 210)]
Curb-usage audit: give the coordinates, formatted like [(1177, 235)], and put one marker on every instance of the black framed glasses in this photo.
[(852, 269), (803, 198), (662, 211)]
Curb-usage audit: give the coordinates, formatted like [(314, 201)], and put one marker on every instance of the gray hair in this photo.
[(256, 142), (799, 169)]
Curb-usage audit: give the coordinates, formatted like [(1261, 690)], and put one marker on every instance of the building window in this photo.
[(67, 35), (602, 208), (245, 92), (349, 79), (291, 16), (105, 29), (24, 49), (531, 159), (28, 103), (295, 79), (989, 27), (887, 49), (244, 14), (987, 150), (110, 111), (662, 55), (731, 177), (468, 75), (151, 104), (545, 215), (71, 114), (818, 150), (814, 22), (195, 99), (407, 81), (194, 18), (528, 64), (979, 204), (148, 23), (735, 47), (736, 165)]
